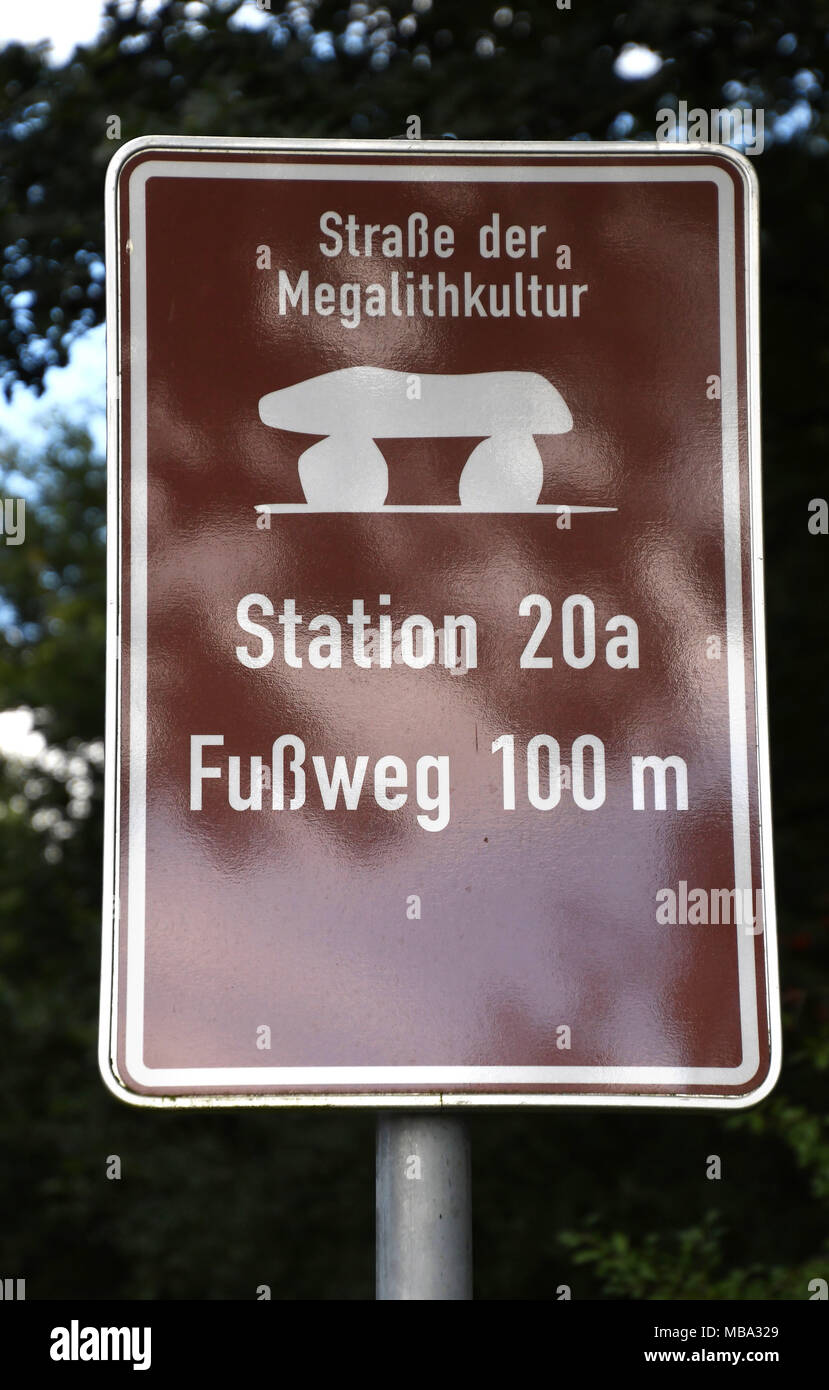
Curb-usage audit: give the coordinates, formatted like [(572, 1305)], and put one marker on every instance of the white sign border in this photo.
[(410, 168)]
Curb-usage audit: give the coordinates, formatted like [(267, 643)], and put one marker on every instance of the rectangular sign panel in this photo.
[(437, 729)]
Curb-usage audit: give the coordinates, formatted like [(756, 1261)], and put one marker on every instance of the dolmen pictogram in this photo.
[(354, 407)]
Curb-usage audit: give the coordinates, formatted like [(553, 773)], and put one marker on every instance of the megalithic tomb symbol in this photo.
[(356, 406)]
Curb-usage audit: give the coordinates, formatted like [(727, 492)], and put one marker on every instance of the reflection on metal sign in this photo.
[(437, 732)]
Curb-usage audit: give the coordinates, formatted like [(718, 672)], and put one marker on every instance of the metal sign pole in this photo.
[(424, 1208)]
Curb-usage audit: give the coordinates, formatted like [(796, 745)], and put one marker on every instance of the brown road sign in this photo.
[(437, 727)]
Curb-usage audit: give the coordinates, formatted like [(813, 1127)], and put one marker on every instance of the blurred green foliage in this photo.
[(210, 1205)]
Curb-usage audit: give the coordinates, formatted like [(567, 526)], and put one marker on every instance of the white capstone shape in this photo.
[(356, 406)]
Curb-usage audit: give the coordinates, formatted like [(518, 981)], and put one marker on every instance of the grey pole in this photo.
[(424, 1207)]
